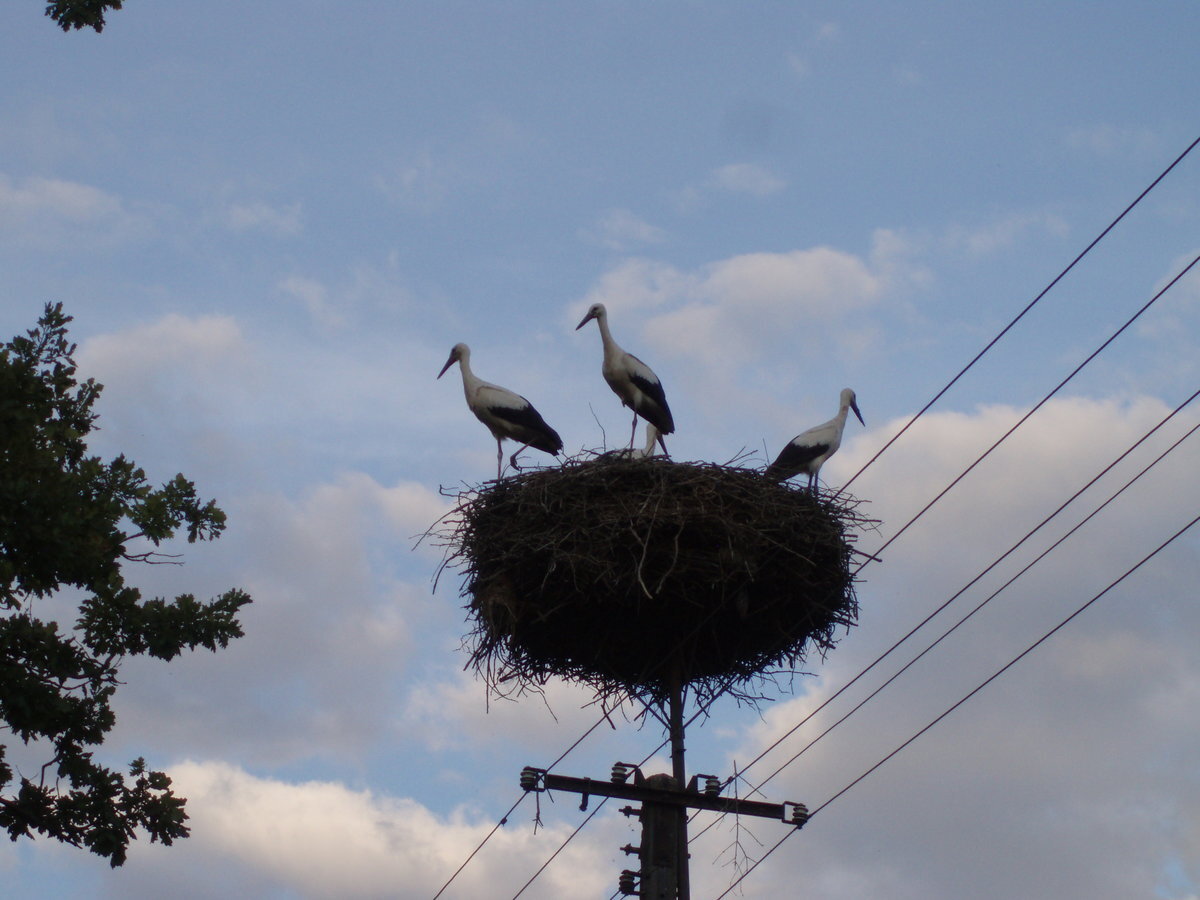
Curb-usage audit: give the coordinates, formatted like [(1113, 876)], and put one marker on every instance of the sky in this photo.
[(271, 222)]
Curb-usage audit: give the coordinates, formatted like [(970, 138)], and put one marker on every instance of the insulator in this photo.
[(531, 779), (627, 883), (799, 815), (712, 786), (620, 773)]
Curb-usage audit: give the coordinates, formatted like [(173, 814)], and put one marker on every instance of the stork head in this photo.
[(458, 353), (595, 311), (848, 399)]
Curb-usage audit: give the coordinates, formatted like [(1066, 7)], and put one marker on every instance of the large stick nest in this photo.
[(626, 574)]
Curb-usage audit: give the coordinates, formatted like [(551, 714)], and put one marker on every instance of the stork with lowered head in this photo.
[(807, 451)]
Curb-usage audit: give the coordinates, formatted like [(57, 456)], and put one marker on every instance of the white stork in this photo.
[(806, 452), (632, 381), (652, 438), (507, 415)]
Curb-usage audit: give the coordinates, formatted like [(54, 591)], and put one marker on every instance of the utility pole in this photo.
[(663, 850)]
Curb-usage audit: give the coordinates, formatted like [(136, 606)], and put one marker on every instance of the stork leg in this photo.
[(633, 431), (663, 444), (499, 459)]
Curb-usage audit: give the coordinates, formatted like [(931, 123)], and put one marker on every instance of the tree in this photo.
[(69, 521), (80, 13)]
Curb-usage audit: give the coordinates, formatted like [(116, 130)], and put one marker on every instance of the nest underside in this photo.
[(632, 575)]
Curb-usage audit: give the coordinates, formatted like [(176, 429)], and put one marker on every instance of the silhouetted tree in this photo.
[(68, 523)]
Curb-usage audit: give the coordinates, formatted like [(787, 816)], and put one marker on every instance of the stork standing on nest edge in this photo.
[(806, 452), (632, 380), (507, 415)]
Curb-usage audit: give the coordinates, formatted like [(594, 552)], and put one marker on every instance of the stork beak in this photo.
[(586, 319), (854, 406), (448, 364)]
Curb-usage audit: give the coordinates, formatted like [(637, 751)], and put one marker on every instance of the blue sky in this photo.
[(271, 222)]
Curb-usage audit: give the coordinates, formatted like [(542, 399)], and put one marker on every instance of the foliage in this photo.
[(80, 13), (67, 523)]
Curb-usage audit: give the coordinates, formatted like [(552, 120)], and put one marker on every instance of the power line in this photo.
[(968, 696), (700, 710), (962, 590), (1021, 314), (504, 819), (988, 569), (1027, 415), (959, 478), (894, 438), (991, 596)]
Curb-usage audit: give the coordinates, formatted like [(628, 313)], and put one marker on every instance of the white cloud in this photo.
[(1003, 233), (46, 212), (328, 636), (1109, 140), (634, 284), (620, 229), (1072, 761), (320, 839), (201, 341), (366, 290), (420, 182), (460, 714), (735, 307), (170, 382), (285, 221), (314, 296)]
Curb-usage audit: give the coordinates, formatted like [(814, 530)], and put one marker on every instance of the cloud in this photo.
[(749, 125), (634, 284), (1108, 140), (1003, 233), (1072, 760), (285, 221), (736, 307), (366, 290), (421, 182), (318, 839), (48, 212), (314, 296), (459, 714), (328, 636), (620, 229), (170, 383), (200, 341)]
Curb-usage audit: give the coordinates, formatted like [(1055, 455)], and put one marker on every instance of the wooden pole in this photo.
[(679, 770)]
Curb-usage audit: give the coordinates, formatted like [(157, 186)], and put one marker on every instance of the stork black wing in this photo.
[(529, 427), (793, 458), (659, 416)]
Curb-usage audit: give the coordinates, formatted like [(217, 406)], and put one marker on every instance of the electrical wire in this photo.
[(1045, 637), (895, 437), (1154, 299), (700, 710), (1086, 250), (961, 591), (991, 596), (504, 819), (1027, 415)]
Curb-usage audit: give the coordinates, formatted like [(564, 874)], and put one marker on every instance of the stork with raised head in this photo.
[(507, 415), (632, 380), (807, 451)]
